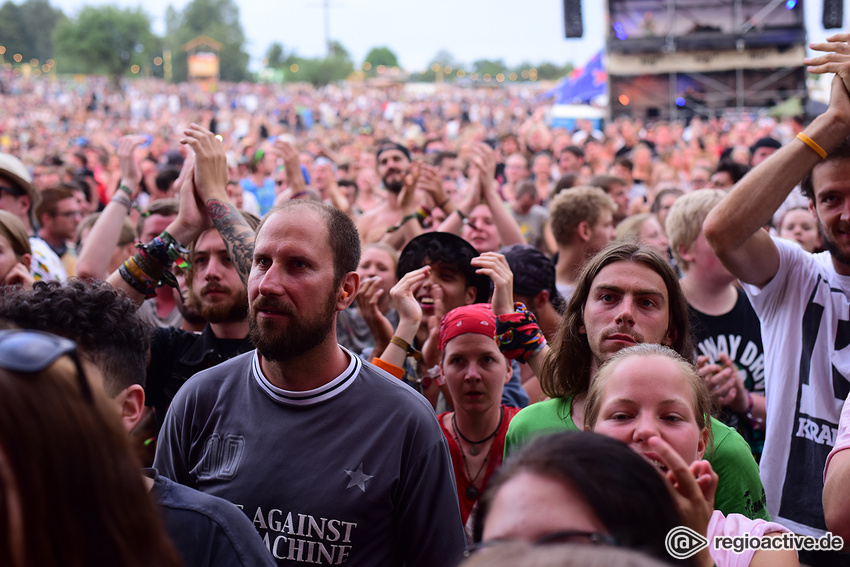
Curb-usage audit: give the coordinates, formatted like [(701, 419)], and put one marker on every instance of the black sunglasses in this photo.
[(14, 191), (28, 351)]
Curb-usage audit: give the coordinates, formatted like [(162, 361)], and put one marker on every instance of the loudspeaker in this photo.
[(833, 14), (572, 18)]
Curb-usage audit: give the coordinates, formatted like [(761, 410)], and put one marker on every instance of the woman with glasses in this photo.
[(576, 487), (70, 490)]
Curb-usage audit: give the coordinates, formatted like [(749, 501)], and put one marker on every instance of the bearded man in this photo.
[(393, 166), (334, 460)]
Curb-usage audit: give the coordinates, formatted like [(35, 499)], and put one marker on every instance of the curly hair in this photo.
[(101, 320)]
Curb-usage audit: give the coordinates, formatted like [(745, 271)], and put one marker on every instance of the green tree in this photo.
[(12, 31), (274, 56), (380, 56), (106, 40), (489, 66), (218, 19), (39, 20), (323, 71), (547, 71), (442, 59)]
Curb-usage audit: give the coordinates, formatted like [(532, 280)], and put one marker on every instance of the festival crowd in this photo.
[(250, 324)]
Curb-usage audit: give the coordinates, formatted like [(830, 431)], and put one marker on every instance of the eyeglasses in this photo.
[(567, 536), (30, 351), (68, 214)]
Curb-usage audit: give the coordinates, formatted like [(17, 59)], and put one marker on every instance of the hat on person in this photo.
[(766, 142), (450, 249), (476, 318), (16, 171), (386, 146), (533, 271)]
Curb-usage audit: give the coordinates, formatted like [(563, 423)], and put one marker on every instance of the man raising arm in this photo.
[(802, 300)]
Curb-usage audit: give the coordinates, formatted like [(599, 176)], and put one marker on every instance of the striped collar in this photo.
[(308, 397)]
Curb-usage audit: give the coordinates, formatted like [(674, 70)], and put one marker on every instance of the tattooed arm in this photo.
[(238, 236), (210, 184)]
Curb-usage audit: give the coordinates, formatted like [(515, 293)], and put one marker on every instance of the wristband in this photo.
[(461, 215), (126, 190), (812, 144), (402, 221), (518, 335), (754, 421), (176, 251), (406, 347), (444, 203), (122, 200)]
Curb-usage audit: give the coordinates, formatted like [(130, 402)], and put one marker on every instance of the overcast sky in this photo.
[(515, 31)]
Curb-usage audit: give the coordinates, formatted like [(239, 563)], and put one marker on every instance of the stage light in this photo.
[(620, 31), (791, 4), (680, 101)]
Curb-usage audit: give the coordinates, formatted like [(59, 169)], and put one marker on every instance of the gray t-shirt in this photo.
[(356, 471)]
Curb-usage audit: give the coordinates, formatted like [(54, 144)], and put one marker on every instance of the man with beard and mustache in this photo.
[(216, 293), (627, 294), (213, 285), (333, 459), (393, 166), (801, 299)]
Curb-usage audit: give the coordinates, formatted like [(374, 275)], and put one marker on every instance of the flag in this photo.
[(582, 84)]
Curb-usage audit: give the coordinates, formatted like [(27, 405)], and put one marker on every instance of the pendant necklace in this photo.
[(474, 448), (472, 491)]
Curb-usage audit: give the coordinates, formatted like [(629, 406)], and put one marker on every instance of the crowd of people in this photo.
[(388, 327)]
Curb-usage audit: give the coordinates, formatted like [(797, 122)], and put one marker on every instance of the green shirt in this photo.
[(739, 490)]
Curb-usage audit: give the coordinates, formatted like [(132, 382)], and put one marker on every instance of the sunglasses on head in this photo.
[(28, 351)]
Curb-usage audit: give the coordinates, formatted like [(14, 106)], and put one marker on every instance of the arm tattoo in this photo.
[(238, 236)]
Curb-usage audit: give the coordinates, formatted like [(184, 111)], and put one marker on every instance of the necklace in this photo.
[(474, 449), (472, 491)]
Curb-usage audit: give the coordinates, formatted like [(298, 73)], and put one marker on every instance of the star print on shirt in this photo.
[(358, 478)]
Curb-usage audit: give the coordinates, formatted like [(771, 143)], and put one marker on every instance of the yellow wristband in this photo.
[(812, 144)]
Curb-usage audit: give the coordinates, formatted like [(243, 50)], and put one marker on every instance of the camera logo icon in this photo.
[(683, 542)]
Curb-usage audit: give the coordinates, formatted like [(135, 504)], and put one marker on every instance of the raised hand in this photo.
[(495, 266), (131, 175), (210, 172), (693, 486)]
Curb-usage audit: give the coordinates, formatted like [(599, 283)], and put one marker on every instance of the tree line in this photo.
[(119, 42)]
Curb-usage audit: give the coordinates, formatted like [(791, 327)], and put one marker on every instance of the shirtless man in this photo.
[(393, 166)]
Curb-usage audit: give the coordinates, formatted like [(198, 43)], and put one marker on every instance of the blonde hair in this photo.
[(700, 396), (684, 222), (13, 229), (629, 229), (573, 206), (391, 252)]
